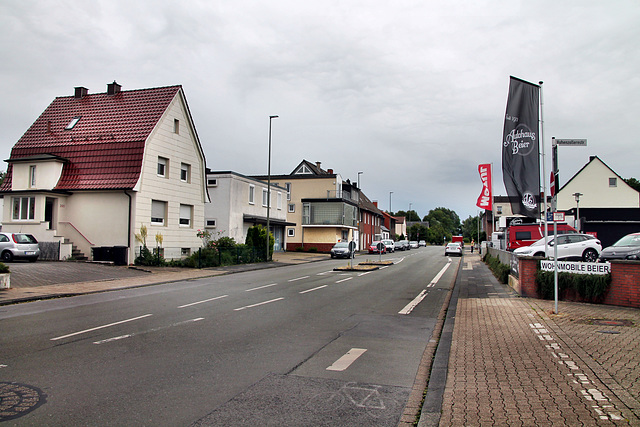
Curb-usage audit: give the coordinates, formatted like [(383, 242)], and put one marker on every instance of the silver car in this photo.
[(18, 246)]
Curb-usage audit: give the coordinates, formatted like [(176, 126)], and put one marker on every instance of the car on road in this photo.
[(398, 246), (406, 244), (580, 247), (422, 243), (341, 250), (18, 246), (389, 245), (373, 247), (453, 248), (413, 244), (626, 248)]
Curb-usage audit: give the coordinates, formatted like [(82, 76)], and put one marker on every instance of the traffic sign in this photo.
[(558, 216), (572, 142)]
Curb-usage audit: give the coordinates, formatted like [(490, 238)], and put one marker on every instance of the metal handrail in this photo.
[(78, 231)]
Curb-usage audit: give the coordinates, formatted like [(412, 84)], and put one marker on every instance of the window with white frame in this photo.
[(287, 185), (291, 232), (252, 194), (176, 126), (163, 167), (292, 207), (212, 182), (24, 208), (185, 172), (186, 213), (158, 212), (279, 201), (32, 176), (265, 195), (210, 223)]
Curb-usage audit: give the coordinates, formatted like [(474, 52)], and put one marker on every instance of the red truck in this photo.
[(458, 239), (520, 235)]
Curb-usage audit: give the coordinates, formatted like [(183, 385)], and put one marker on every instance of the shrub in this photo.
[(500, 270), (590, 287), (4, 268)]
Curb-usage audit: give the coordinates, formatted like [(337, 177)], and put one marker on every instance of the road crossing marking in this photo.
[(345, 361), (203, 301)]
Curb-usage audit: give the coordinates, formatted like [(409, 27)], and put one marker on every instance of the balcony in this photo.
[(332, 212)]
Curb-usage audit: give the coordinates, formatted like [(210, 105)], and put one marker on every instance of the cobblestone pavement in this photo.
[(512, 362)]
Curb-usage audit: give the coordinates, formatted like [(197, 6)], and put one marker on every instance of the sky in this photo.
[(411, 93)]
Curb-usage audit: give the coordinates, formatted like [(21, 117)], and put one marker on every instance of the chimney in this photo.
[(113, 88), (80, 92), (318, 165), (330, 171), (375, 203)]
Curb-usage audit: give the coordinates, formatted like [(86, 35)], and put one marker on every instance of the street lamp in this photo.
[(577, 196), (390, 193), (269, 187)]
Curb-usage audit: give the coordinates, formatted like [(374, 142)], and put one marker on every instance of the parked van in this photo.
[(520, 235), (458, 239)]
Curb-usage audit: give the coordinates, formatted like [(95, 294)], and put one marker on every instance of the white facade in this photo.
[(235, 200)]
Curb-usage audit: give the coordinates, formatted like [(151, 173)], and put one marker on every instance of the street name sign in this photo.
[(572, 142)]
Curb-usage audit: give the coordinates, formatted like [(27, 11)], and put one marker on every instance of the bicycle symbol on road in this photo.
[(367, 398)]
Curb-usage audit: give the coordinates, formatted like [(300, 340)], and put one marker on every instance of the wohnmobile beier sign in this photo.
[(520, 155)]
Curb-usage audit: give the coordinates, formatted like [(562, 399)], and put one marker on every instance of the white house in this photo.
[(94, 168), (239, 202)]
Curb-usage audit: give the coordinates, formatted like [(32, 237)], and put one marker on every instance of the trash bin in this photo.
[(98, 253), (119, 255)]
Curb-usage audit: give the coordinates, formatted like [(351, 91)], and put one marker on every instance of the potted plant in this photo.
[(5, 276)]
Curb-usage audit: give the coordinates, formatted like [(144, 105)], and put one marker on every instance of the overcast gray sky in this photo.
[(411, 93)]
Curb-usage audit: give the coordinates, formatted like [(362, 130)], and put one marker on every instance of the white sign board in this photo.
[(573, 142), (578, 267)]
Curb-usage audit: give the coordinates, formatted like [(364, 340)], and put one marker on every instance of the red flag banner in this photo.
[(485, 201)]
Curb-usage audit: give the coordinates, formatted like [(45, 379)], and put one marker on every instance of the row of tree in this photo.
[(439, 225)]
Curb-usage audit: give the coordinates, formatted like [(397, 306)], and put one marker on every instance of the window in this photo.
[(499, 209), (303, 170), (176, 126), (163, 167), (185, 172), (613, 182), (185, 215), (291, 232), (210, 223), (265, 195), (212, 182), (252, 194), (287, 185), (292, 207), (185, 251), (72, 123), (158, 212), (24, 208), (279, 201), (32, 176)]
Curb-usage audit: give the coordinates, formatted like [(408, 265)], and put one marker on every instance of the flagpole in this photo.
[(544, 170)]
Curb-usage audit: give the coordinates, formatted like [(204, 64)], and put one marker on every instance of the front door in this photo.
[(49, 211)]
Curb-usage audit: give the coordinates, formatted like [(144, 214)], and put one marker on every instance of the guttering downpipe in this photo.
[(129, 221)]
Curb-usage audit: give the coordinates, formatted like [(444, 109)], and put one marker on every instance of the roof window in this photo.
[(72, 123)]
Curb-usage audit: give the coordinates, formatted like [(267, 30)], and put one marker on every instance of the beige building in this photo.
[(94, 168)]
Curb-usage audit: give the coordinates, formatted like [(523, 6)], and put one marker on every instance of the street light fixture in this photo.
[(577, 222), (390, 193), (269, 188)]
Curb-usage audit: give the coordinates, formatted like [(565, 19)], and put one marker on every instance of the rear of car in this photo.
[(389, 246), (18, 246), (377, 247), (398, 246), (453, 248)]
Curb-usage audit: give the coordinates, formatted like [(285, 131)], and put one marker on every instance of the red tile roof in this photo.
[(104, 150)]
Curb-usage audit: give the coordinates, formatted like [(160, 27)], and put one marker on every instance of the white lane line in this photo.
[(261, 287), (100, 327), (417, 300), (3, 366), (203, 301), (299, 278), (344, 280), (325, 272), (258, 304), (313, 289), (150, 330), (363, 274), (345, 361)]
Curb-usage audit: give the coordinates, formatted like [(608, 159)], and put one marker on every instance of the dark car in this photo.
[(626, 248), (398, 246), (341, 250), (18, 246)]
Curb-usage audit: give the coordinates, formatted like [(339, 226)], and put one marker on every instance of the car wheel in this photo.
[(539, 254), (590, 255), (7, 256)]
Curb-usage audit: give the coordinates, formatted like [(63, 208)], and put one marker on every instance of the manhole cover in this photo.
[(17, 400), (609, 322)]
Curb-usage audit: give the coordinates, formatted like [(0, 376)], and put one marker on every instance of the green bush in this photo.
[(4, 268), (146, 257), (500, 270), (590, 287)]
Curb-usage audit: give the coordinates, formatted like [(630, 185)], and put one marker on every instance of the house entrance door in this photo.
[(49, 211)]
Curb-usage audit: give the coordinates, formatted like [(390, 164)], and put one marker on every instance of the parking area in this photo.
[(42, 273)]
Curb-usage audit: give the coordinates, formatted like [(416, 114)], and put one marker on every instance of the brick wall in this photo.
[(624, 289)]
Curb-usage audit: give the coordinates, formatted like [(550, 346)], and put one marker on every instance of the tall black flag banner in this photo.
[(520, 156)]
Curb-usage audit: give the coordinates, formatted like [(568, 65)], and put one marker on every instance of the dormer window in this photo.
[(72, 123), (304, 170)]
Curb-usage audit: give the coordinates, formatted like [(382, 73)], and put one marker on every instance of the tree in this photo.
[(257, 238), (447, 218), (470, 229), (633, 183)]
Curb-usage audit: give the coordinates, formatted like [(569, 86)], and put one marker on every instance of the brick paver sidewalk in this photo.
[(513, 363)]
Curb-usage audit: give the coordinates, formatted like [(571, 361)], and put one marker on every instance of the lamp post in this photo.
[(577, 196), (390, 193), (269, 188)]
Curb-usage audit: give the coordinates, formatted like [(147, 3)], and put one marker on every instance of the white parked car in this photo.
[(18, 246), (389, 245), (581, 247)]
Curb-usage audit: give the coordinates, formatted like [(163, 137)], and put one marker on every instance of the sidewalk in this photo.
[(512, 362), (38, 288)]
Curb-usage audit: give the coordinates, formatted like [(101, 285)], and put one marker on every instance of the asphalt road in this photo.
[(297, 345)]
